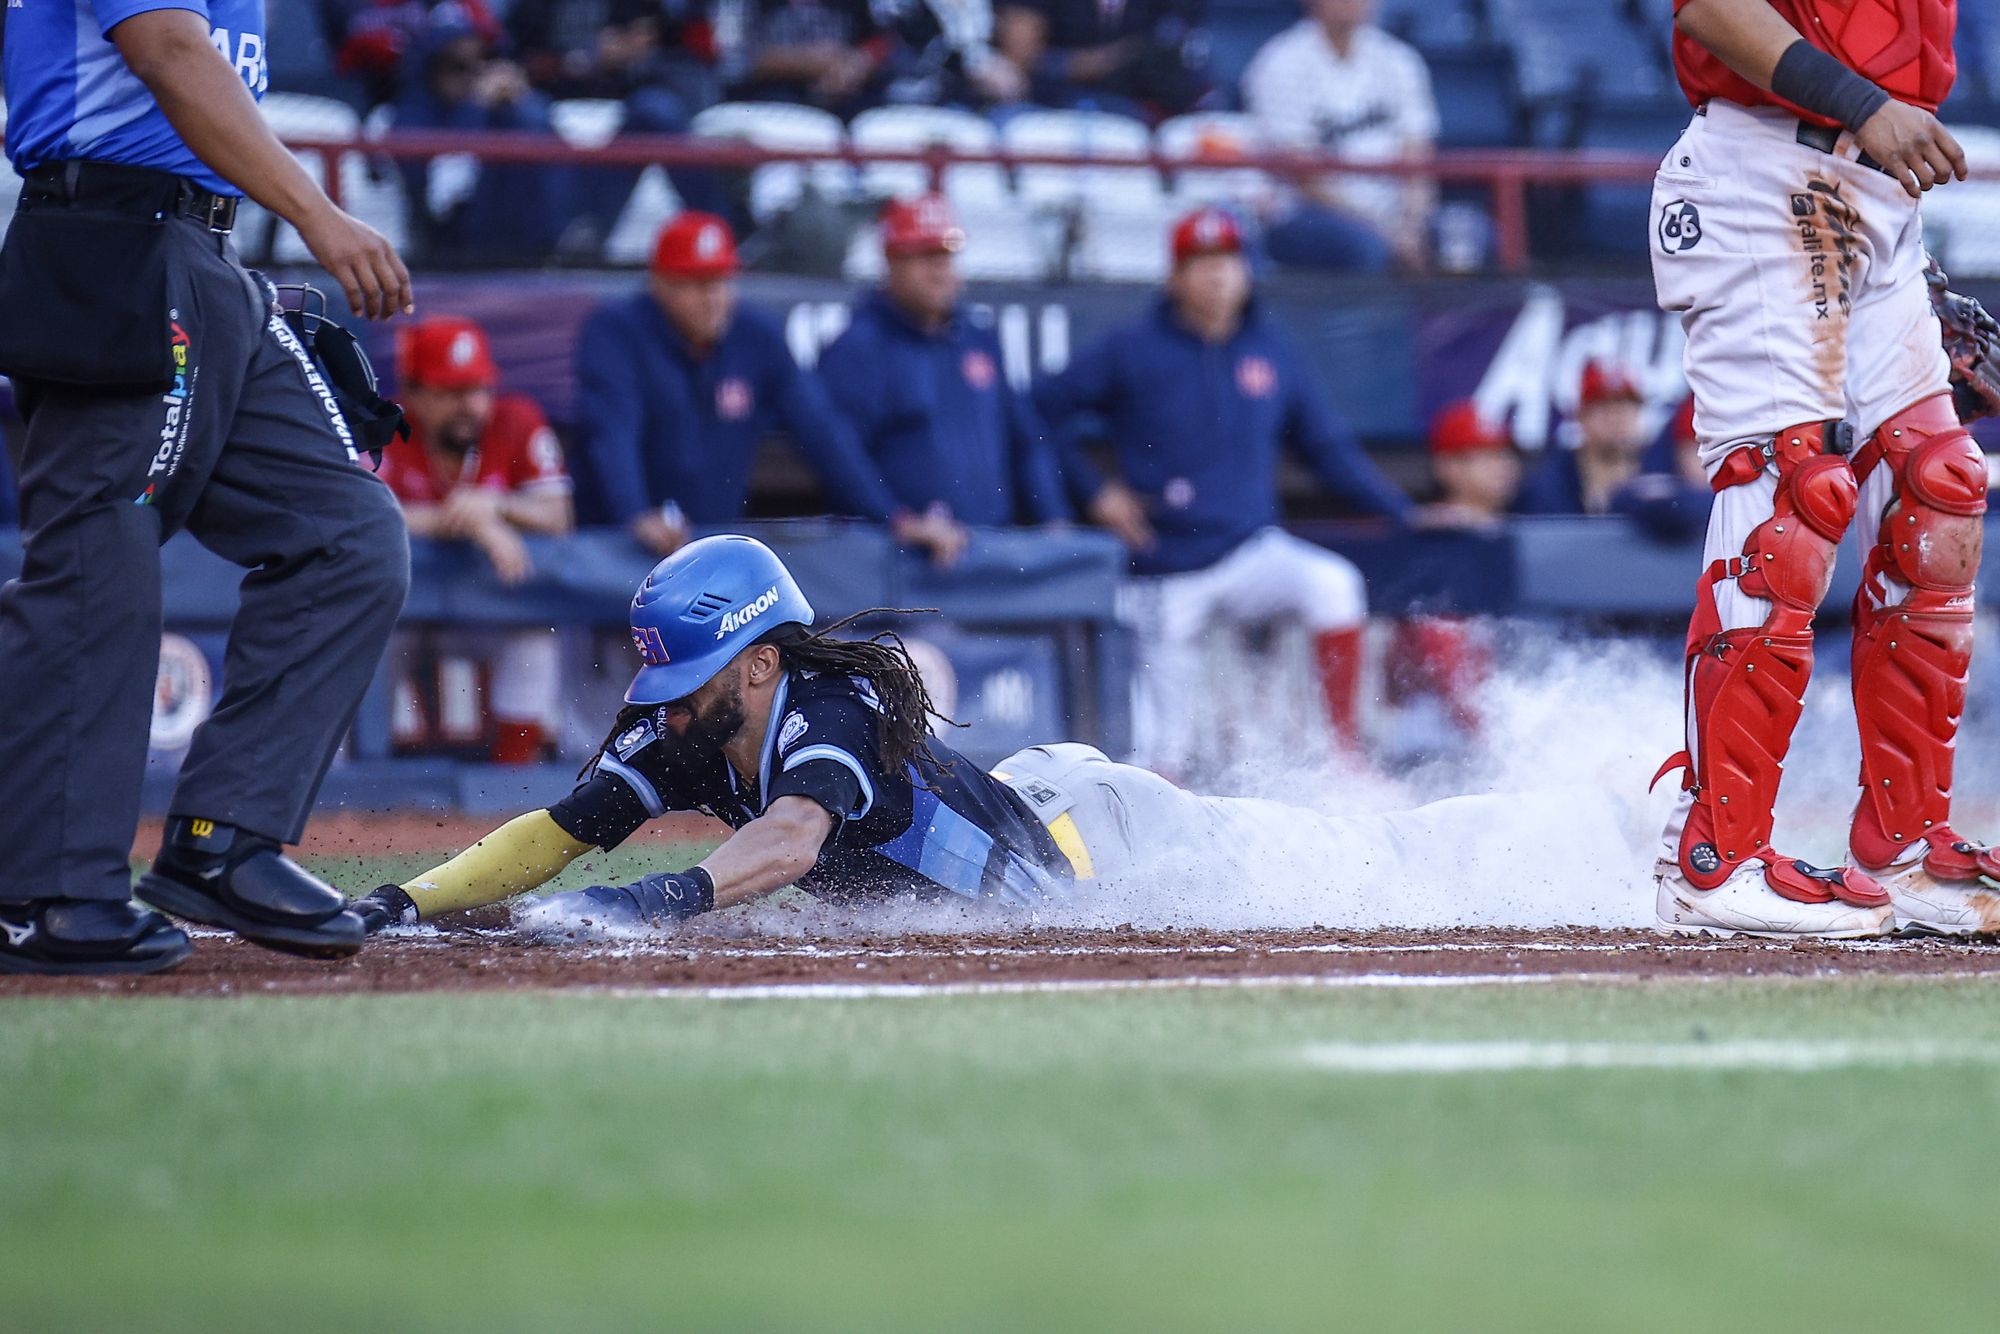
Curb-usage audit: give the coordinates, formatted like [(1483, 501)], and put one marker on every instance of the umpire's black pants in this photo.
[(256, 465)]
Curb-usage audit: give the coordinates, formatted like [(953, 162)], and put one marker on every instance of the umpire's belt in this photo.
[(116, 188)]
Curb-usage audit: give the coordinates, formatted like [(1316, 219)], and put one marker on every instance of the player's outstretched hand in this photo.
[(361, 260), (384, 907), (1911, 146)]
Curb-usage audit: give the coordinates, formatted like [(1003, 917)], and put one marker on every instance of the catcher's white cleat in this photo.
[(1929, 904), (1746, 905)]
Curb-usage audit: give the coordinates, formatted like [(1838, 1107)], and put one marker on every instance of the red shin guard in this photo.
[(1911, 656), (1746, 686)]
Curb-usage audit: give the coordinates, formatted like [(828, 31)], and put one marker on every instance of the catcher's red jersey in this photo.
[(1902, 45)]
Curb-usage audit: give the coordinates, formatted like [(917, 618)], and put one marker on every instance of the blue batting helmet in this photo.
[(702, 606)]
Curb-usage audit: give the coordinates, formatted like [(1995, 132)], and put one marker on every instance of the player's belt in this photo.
[(1068, 838), (1826, 138), (118, 188)]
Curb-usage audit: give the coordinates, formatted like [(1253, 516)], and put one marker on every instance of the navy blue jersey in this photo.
[(937, 414), (1199, 428), (928, 830), (70, 94), (660, 425)]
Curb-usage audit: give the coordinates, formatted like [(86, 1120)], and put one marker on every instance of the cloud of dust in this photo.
[(1545, 820)]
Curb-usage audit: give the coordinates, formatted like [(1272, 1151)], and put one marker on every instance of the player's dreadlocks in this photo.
[(885, 663)]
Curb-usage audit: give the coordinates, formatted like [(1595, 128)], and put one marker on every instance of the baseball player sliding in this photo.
[(819, 752), (1786, 234)]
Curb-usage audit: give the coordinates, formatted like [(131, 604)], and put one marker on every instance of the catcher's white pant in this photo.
[(1273, 578), (1527, 857), (1798, 275)]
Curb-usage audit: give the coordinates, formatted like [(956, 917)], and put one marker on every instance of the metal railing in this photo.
[(1506, 173)]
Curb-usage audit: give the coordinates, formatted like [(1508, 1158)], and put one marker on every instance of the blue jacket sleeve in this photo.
[(611, 416), (1067, 400), (1330, 447), (1038, 477), (853, 483)]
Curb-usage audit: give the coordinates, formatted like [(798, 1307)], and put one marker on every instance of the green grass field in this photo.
[(1131, 1160)]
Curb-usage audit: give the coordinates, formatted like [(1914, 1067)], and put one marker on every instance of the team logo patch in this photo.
[(634, 739), (733, 399), (1680, 227), (1704, 858), (1256, 377), (789, 734), (652, 649), (1803, 206), (979, 370)]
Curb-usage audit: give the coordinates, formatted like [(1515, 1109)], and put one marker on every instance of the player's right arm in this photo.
[(1755, 41), (205, 101)]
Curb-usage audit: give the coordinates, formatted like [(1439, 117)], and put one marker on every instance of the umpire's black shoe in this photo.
[(75, 937), (218, 875)]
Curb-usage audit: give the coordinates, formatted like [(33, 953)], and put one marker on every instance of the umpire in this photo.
[(163, 391)]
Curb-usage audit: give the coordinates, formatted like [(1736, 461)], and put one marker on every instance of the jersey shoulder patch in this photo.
[(633, 739), (794, 728)]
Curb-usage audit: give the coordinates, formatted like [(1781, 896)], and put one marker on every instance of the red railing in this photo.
[(1506, 173)]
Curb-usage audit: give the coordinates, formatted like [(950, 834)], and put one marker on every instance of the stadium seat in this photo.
[(587, 122), (1615, 218), (1474, 87), (1567, 48), (1212, 137), (371, 192), (970, 186), (777, 186), (1113, 215), (1433, 25)]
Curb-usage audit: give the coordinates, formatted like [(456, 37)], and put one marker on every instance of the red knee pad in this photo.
[(1789, 558)]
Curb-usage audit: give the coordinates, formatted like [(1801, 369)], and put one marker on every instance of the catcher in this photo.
[(1787, 237), (819, 752)]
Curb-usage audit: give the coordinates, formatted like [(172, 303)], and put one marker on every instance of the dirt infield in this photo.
[(495, 959)]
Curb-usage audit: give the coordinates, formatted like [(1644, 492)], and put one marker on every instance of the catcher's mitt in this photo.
[(1972, 341)]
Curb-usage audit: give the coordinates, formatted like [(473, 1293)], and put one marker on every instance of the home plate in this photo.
[(1446, 1058)]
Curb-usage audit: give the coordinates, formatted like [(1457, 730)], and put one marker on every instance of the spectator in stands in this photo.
[(1670, 498), (921, 379), (1145, 58), (484, 211), (1474, 462), (654, 57), (480, 467), (1435, 665), (677, 386), (848, 55), (1335, 81), (372, 40), (1198, 400), (1588, 478)]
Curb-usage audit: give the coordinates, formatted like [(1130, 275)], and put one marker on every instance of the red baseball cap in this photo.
[(925, 225), (1207, 231), (445, 352), (1603, 381), (1460, 428), (695, 245)]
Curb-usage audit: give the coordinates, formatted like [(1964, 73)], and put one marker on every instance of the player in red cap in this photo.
[(1610, 439), (921, 378), (1199, 400), (483, 467), (680, 384), (1786, 234)]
